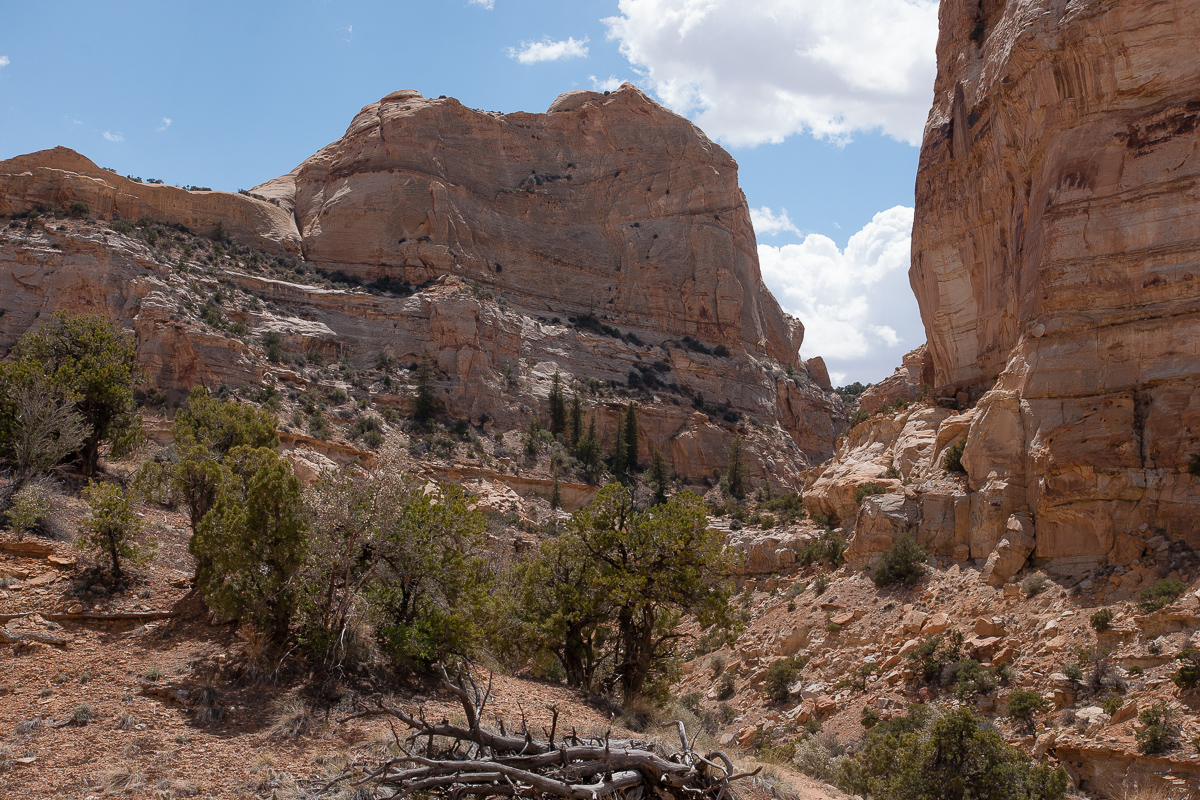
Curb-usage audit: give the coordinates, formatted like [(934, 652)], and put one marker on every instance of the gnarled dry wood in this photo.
[(469, 761), (172, 694), (15, 637), (115, 616)]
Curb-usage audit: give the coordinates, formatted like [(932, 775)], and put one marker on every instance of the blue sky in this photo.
[(821, 109)]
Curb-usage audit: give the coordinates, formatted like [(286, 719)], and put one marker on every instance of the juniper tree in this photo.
[(630, 434), (205, 430), (425, 402), (735, 476), (111, 527), (612, 587), (251, 543), (588, 449), (95, 363), (659, 478), (558, 406), (575, 421)]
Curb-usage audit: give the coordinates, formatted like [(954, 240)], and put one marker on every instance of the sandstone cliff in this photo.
[(608, 203), (1054, 260), (605, 239)]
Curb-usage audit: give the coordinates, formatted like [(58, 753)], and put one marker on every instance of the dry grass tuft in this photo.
[(1146, 789), (293, 719), (126, 779)]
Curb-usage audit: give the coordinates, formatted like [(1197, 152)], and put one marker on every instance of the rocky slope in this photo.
[(1054, 261), (838, 622), (606, 239)]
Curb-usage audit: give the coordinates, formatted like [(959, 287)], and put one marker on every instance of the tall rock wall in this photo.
[(606, 204), (606, 240), (1056, 261)]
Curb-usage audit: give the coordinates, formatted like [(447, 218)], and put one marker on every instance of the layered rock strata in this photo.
[(606, 240), (606, 204), (1055, 260)]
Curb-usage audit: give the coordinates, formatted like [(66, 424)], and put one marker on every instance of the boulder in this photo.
[(989, 626), (882, 519), (1012, 551)]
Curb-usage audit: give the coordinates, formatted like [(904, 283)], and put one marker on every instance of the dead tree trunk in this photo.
[(453, 762)]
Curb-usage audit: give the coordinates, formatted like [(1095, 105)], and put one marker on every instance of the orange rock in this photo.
[(1033, 270)]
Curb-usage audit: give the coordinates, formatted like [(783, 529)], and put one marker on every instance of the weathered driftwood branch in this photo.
[(471, 762), (25, 637), (95, 616)]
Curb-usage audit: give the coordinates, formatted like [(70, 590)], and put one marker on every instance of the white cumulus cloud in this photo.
[(549, 50), (166, 123), (113, 137), (768, 223), (856, 305), (4, 62), (757, 72), (609, 84), (488, 4)]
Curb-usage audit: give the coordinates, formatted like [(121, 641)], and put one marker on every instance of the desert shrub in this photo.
[(858, 677), (820, 583), (369, 428), (122, 226), (725, 689), (828, 548), (273, 345), (1112, 705), (971, 679), (716, 664), (1101, 669), (780, 675), (714, 638), (1160, 729), (1161, 595), (1188, 675), (1101, 620), (1024, 704), (788, 507), (817, 756), (934, 653), (30, 508), (1034, 584), (415, 559), (78, 208), (1073, 672), (952, 460), (865, 490), (959, 755), (1136, 669), (904, 563), (111, 528), (41, 425)]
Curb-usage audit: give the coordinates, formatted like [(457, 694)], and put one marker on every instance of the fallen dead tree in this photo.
[(444, 760)]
